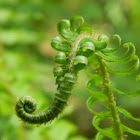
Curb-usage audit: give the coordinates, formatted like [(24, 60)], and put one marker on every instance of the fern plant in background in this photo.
[(79, 50)]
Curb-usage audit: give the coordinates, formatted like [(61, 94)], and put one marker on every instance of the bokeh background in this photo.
[(27, 60)]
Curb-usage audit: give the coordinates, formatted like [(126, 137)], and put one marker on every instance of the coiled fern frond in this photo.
[(76, 51), (71, 57)]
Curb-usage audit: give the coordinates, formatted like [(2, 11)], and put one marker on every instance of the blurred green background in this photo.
[(27, 60)]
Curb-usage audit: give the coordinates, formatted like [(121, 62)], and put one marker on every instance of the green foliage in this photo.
[(81, 51), (27, 61), (100, 78)]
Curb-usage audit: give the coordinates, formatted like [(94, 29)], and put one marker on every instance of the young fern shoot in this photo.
[(71, 62), (77, 51)]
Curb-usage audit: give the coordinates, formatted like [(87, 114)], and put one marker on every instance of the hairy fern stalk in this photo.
[(77, 51)]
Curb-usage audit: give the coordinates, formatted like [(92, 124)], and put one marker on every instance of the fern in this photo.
[(101, 78), (78, 51), (66, 73)]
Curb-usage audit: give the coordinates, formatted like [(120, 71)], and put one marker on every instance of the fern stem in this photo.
[(74, 48), (111, 100)]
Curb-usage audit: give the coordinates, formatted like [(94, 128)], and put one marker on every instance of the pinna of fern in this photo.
[(101, 79), (76, 51)]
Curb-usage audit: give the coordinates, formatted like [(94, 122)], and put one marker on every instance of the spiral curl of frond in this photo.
[(72, 57)]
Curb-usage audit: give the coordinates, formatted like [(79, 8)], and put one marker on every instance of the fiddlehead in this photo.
[(72, 57)]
